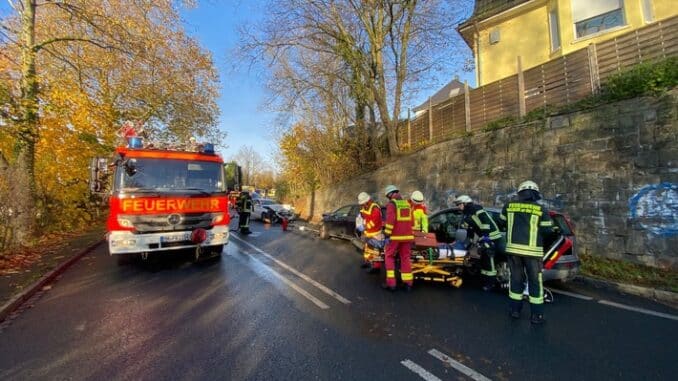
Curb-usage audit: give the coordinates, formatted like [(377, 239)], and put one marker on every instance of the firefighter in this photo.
[(398, 232), (245, 209), (370, 213), (526, 224), (479, 223), (419, 212)]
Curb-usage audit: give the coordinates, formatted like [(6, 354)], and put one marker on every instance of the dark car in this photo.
[(444, 224), (340, 223)]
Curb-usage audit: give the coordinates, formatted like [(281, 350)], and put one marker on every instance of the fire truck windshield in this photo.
[(165, 175)]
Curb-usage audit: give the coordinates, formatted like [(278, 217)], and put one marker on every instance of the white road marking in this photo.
[(457, 365), (423, 373), (618, 305), (293, 285), (637, 309), (572, 294), (305, 277)]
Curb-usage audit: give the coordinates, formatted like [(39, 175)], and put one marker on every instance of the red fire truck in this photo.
[(163, 199)]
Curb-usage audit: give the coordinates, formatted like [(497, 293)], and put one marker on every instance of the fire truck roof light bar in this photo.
[(136, 142)]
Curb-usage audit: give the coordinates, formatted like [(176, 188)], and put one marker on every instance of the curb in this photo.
[(29, 291), (667, 297)]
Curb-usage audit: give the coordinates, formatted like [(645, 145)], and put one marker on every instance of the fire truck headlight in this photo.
[(125, 223), (217, 218)]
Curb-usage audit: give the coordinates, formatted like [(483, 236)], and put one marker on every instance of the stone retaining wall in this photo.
[(613, 169)]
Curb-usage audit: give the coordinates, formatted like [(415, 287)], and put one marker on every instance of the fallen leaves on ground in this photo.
[(21, 259)]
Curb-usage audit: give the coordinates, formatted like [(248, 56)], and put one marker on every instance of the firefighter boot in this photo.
[(537, 319), (489, 283), (514, 309)]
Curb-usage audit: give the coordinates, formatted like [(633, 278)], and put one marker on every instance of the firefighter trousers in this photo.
[(522, 267), (244, 222), (403, 250)]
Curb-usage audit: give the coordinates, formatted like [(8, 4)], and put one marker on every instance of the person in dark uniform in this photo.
[(527, 223), (245, 209)]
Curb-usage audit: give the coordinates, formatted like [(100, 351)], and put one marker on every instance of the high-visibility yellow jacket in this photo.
[(419, 217)]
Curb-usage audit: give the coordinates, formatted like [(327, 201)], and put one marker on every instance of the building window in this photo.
[(592, 17), (555, 30)]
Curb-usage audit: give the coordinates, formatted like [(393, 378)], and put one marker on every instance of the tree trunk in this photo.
[(23, 187)]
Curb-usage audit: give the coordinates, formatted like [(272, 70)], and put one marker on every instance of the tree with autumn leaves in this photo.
[(71, 72), (342, 70)]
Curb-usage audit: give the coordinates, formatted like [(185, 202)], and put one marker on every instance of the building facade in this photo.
[(507, 34)]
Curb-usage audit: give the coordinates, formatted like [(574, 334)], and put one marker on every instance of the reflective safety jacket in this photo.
[(371, 214), (477, 221), (419, 217), (399, 220), (245, 205), (526, 224)]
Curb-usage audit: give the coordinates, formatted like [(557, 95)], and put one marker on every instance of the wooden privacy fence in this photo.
[(558, 82)]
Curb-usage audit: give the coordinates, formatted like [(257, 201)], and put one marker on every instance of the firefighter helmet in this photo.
[(363, 197), (417, 196), (463, 199), (528, 185), (390, 189)]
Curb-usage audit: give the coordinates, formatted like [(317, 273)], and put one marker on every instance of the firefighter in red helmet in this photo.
[(398, 231)]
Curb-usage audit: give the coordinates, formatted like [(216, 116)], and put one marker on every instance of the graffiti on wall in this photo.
[(655, 208)]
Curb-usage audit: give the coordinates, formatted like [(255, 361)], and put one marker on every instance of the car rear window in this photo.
[(560, 221)]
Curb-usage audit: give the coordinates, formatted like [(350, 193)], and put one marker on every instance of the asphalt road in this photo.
[(286, 305)]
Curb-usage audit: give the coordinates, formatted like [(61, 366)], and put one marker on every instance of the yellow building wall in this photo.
[(525, 35), (524, 31)]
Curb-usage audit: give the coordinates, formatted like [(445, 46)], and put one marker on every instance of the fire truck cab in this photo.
[(163, 199)]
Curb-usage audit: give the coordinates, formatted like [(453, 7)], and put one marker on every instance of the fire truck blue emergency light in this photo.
[(135, 142), (208, 148)]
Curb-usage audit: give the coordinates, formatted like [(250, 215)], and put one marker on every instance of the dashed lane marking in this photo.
[(618, 305), (305, 277), (637, 309), (423, 373), (457, 365)]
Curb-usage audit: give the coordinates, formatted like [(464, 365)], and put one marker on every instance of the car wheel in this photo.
[(324, 233)]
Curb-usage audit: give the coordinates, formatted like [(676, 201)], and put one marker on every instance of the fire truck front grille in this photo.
[(167, 222)]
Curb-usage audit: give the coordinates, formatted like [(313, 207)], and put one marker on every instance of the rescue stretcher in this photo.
[(449, 262), (427, 262)]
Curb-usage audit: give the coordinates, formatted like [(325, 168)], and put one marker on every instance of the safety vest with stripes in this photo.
[(399, 220), (371, 214), (526, 222)]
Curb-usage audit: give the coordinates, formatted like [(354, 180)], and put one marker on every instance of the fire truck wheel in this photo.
[(215, 251), (125, 259)]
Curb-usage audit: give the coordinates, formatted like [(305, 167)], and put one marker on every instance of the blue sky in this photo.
[(214, 23)]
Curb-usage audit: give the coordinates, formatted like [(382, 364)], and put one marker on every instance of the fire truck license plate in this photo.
[(175, 238)]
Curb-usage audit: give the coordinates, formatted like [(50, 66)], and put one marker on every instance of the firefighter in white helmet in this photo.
[(526, 224), (370, 214), (419, 212), (491, 242)]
